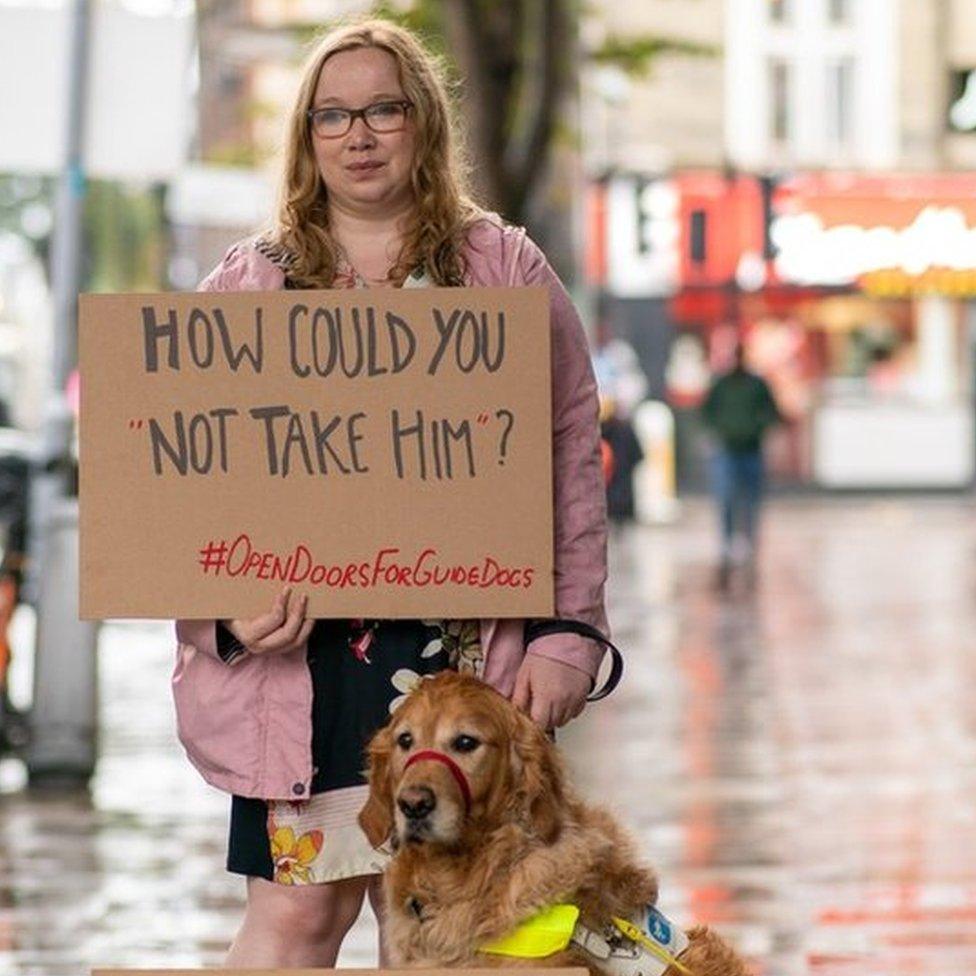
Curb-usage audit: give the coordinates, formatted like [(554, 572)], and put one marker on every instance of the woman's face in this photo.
[(363, 171)]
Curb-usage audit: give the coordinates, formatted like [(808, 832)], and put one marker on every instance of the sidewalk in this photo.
[(800, 765)]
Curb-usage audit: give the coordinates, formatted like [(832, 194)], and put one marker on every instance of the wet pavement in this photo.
[(798, 760)]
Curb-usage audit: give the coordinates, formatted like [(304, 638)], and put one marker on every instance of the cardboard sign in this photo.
[(386, 451)]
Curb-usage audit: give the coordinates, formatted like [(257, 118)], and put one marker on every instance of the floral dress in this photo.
[(361, 670)]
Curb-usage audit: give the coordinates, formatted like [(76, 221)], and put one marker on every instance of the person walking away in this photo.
[(739, 409)]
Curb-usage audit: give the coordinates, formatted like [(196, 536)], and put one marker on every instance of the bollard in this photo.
[(63, 722), (654, 478)]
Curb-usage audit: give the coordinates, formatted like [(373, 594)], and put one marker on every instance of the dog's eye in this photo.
[(465, 743), (404, 740)]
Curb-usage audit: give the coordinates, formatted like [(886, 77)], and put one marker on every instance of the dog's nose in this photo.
[(416, 802)]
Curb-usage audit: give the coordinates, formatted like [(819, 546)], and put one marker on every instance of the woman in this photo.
[(276, 709)]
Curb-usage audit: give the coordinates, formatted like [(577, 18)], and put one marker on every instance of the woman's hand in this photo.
[(284, 628), (550, 692)]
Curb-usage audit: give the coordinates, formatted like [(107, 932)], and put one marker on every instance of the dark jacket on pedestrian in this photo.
[(740, 408)]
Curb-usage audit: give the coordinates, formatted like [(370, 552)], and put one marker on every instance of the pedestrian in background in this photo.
[(739, 409), (624, 454), (277, 709), (622, 385)]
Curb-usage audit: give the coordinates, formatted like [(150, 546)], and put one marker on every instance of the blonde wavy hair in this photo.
[(443, 210)]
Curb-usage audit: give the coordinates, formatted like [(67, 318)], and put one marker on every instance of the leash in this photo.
[(543, 628), (632, 932), (533, 630)]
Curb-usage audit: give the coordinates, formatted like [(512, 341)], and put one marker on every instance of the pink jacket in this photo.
[(247, 727)]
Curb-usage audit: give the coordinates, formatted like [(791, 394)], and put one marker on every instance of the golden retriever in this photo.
[(471, 796)]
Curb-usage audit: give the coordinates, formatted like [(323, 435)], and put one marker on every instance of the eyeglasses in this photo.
[(331, 123)]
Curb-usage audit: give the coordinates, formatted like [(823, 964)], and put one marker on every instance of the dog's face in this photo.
[(458, 756)]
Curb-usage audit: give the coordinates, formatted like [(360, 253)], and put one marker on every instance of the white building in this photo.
[(811, 83)]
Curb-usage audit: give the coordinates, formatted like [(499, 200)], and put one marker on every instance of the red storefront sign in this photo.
[(722, 220), (892, 234)]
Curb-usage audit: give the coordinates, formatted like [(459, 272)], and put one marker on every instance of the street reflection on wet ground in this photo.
[(798, 760)]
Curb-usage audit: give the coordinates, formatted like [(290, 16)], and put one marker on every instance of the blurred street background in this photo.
[(795, 742)]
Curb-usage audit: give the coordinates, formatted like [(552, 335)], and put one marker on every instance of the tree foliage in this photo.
[(636, 55), (518, 65)]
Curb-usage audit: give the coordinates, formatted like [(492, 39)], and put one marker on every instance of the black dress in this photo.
[(359, 669)]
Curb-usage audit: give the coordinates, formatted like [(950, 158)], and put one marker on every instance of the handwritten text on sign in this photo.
[(387, 451)]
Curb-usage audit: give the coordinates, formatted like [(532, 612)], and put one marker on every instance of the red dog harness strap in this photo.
[(452, 766)]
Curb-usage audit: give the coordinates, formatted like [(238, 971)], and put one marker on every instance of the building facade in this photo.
[(813, 202), (668, 115), (786, 83)]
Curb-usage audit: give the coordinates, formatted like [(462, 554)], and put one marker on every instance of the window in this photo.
[(699, 236), (962, 101), (839, 11), (779, 101), (230, 82), (840, 96)]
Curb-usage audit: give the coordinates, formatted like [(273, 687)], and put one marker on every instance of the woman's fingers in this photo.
[(257, 629), (284, 628), (522, 695), (303, 634), (285, 636), (289, 631)]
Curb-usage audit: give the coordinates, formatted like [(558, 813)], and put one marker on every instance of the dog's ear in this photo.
[(376, 816), (540, 787)]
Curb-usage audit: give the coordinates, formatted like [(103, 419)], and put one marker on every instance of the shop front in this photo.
[(894, 406), (852, 295)]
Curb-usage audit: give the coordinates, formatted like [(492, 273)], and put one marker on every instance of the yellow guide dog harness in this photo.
[(645, 946)]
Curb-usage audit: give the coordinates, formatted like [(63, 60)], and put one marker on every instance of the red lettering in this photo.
[(421, 576), (379, 567), (490, 572), (296, 576), (241, 540), (253, 558), (265, 567), (383, 569), (280, 570)]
